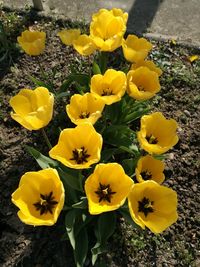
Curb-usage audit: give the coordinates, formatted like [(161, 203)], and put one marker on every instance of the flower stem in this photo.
[(46, 139)]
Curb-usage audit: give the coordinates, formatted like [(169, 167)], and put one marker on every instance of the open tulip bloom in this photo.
[(32, 42), (40, 197), (78, 147), (99, 167), (157, 134), (107, 188), (153, 206), (33, 109)]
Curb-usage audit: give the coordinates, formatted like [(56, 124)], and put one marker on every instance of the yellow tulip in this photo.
[(78, 147), (142, 83), (69, 36), (33, 108), (40, 197), (107, 188), (153, 205), (84, 108), (110, 87), (135, 49), (149, 168), (157, 134), (84, 45), (147, 63), (107, 28), (32, 42)]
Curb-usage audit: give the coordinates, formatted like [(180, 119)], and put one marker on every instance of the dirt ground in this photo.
[(22, 245)]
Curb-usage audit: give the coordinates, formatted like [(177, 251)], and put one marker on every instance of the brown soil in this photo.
[(23, 245)]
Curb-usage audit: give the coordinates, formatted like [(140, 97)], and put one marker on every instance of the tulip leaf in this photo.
[(119, 135), (95, 68), (129, 166), (40, 83), (71, 177), (70, 219), (81, 247), (125, 213), (106, 226), (74, 223), (83, 204), (97, 250), (82, 79), (43, 161)]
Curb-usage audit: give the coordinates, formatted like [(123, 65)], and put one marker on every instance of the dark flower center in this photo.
[(107, 92), (104, 192), (84, 115), (146, 175), (145, 206), (46, 203), (80, 155), (141, 88), (151, 139)]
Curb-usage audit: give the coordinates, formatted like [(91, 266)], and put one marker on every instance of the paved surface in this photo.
[(167, 19)]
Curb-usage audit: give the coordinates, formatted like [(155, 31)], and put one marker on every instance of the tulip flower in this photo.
[(32, 42), (33, 109), (153, 205), (84, 45), (135, 49), (69, 36), (147, 63), (40, 197), (107, 188), (157, 134), (142, 83), (149, 168), (109, 87), (107, 28), (79, 147), (84, 108)]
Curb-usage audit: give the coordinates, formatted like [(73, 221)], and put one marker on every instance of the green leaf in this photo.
[(83, 204), (106, 154), (119, 135), (125, 213), (129, 166), (82, 79), (65, 85), (135, 115), (70, 219), (63, 94), (81, 247), (40, 83), (43, 161), (106, 226), (71, 177), (97, 250), (95, 68)]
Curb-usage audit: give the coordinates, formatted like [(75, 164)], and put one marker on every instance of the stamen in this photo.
[(146, 175), (141, 88), (145, 206), (151, 139), (107, 92), (80, 155), (84, 115), (104, 192), (46, 203)]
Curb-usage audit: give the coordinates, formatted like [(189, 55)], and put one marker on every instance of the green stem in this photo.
[(45, 77), (103, 60), (46, 139)]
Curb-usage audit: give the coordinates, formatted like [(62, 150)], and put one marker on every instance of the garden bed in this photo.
[(179, 98)]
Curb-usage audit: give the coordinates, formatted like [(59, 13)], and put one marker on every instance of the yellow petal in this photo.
[(69, 36)]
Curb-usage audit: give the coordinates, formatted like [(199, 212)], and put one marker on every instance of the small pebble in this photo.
[(187, 113)]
